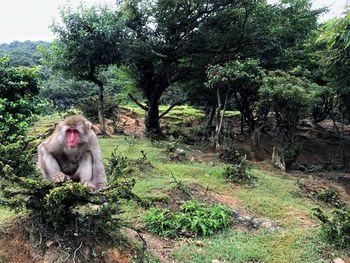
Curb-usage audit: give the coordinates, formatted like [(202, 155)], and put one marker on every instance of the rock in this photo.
[(277, 160), (338, 260), (255, 223), (199, 243), (215, 261), (180, 151)]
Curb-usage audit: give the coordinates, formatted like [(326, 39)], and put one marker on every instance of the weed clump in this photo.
[(228, 153), (173, 151), (336, 229), (194, 219), (330, 196), (326, 195), (238, 173)]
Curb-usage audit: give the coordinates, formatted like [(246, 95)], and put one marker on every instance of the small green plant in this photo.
[(335, 229), (228, 153), (118, 164), (172, 145), (330, 196), (195, 219), (238, 173)]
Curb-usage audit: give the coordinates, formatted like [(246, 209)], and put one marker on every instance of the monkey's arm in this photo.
[(99, 175), (99, 178), (49, 165)]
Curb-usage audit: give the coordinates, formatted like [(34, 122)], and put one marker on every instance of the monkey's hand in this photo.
[(91, 186), (59, 177)]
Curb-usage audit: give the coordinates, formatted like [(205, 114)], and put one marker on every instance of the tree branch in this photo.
[(138, 103), (171, 107)]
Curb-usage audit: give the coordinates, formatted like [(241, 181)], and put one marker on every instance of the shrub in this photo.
[(336, 229), (228, 153), (194, 219), (89, 106), (174, 152), (119, 164), (238, 172), (18, 101), (330, 196)]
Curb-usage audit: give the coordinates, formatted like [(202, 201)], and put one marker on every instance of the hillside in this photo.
[(273, 216)]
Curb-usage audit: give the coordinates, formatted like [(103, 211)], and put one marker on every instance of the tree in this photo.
[(23, 53), (175, 41), (64, 93), (335, 59), (289, 99), (242, 78), (89, 40)]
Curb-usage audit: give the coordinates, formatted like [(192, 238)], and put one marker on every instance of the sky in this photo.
[(30, 19)]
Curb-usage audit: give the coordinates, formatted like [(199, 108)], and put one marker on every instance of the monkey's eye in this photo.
[(71, 130)]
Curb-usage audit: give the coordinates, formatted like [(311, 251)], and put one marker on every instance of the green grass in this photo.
[(6, 214), (44, 123), (272, 196), (178, 112), (299, 245), (275, 197)]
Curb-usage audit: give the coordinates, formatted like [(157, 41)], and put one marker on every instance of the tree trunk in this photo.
[(100, 109), (220, 119), (340, 134), (101, 119), (152, 118), (211, 117)]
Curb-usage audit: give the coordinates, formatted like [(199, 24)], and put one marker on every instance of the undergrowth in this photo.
[(336, 228), (239, 172), (194, 219)]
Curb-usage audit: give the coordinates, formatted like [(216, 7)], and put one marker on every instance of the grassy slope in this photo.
[(273, 196)]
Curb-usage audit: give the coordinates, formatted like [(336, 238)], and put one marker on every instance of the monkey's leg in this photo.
[(84, 172), (49, 166)]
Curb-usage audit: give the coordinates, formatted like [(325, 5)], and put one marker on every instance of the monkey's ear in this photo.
[(89, 125)]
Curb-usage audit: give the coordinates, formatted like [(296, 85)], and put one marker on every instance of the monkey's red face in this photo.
[(72, 138)]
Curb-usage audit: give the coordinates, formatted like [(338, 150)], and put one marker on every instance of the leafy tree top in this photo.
[(88, 39), (236, 74)]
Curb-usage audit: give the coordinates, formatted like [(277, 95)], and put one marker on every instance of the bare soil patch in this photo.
[(15, 247)]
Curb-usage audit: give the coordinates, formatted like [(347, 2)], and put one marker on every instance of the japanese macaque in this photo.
[(72, 153)]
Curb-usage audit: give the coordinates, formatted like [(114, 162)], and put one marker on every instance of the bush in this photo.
[(119, 164), (89, 106), (330, 196), (57, 212), (195, 219), (238, 172), (336, 229), (228, 153), (18, 101)]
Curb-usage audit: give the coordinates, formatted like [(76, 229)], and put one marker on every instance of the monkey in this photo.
[(72, 152)]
